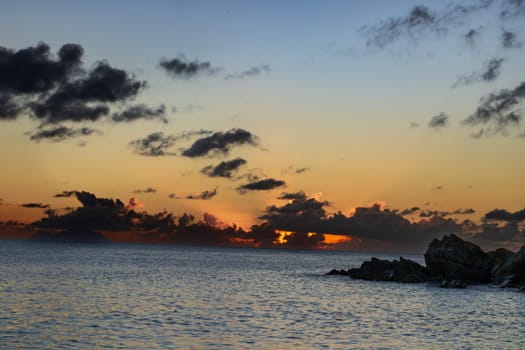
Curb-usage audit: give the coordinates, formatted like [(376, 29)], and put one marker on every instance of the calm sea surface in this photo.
[(70, 296)]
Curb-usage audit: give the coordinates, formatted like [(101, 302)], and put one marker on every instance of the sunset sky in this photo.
[(411, 104)]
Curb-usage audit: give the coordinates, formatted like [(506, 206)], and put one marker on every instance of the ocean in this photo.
[(78, 296)]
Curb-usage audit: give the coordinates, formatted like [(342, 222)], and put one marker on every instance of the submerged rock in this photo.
[(452, 258), (402, 270)]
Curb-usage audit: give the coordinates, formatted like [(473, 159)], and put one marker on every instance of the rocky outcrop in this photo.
[(402, 270), (452, 262), (511, 272), (452, 258), (500, 255)]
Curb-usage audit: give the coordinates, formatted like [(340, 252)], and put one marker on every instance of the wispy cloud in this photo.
[(180, 67), (251, 72)]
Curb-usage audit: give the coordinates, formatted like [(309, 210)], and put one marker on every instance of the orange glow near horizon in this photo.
[(282, 236), (335, 239), (329, 238)]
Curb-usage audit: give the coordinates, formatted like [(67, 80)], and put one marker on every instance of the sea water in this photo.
[(77, 296)]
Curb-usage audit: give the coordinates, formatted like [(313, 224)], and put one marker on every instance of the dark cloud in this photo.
[(409, 211), (180, 67), (301, 170), (224, 169), (512, 8), (293, 196), (472, 36), (94, 214), (61, 133), (419, 22), (420, 18), (146, 190), (34, 69), (157, 144), (57, 88), (141, 111), (431, 213), (490, 72), (460, 211), (498, 110), (504, 215), (88, 98), (251, 72), (205, 195), (9, 109), (438, 121), (154, 145), (302, 222), (65, 194), (261, 185), (438, 188), (510, 40), (220, 142), (252, 176), (494, 233), (89, 200), (414, 125), (375, 226), (35, 205)]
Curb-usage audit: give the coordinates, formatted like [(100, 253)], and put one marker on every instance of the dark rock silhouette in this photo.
[(336, 272), (511, 273), (452, 262), (452, 258), (402, 270), (499, 256)]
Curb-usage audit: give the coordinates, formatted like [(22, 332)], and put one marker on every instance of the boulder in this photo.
[(511, 273), (402, 270), (452, 258)]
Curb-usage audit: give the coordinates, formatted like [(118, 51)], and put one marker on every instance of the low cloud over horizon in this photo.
[(301, 222)]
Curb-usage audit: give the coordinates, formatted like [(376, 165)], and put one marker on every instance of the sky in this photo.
[(386, 123)]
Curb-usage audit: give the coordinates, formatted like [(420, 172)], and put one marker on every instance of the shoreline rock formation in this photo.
[(452, 262)]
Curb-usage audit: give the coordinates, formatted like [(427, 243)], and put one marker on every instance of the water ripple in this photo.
[(60, 296)]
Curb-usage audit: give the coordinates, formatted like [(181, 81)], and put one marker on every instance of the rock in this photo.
[(336, 272), (511, 273), (452, 258), (499, 256), (453, 284), (402, 270)]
